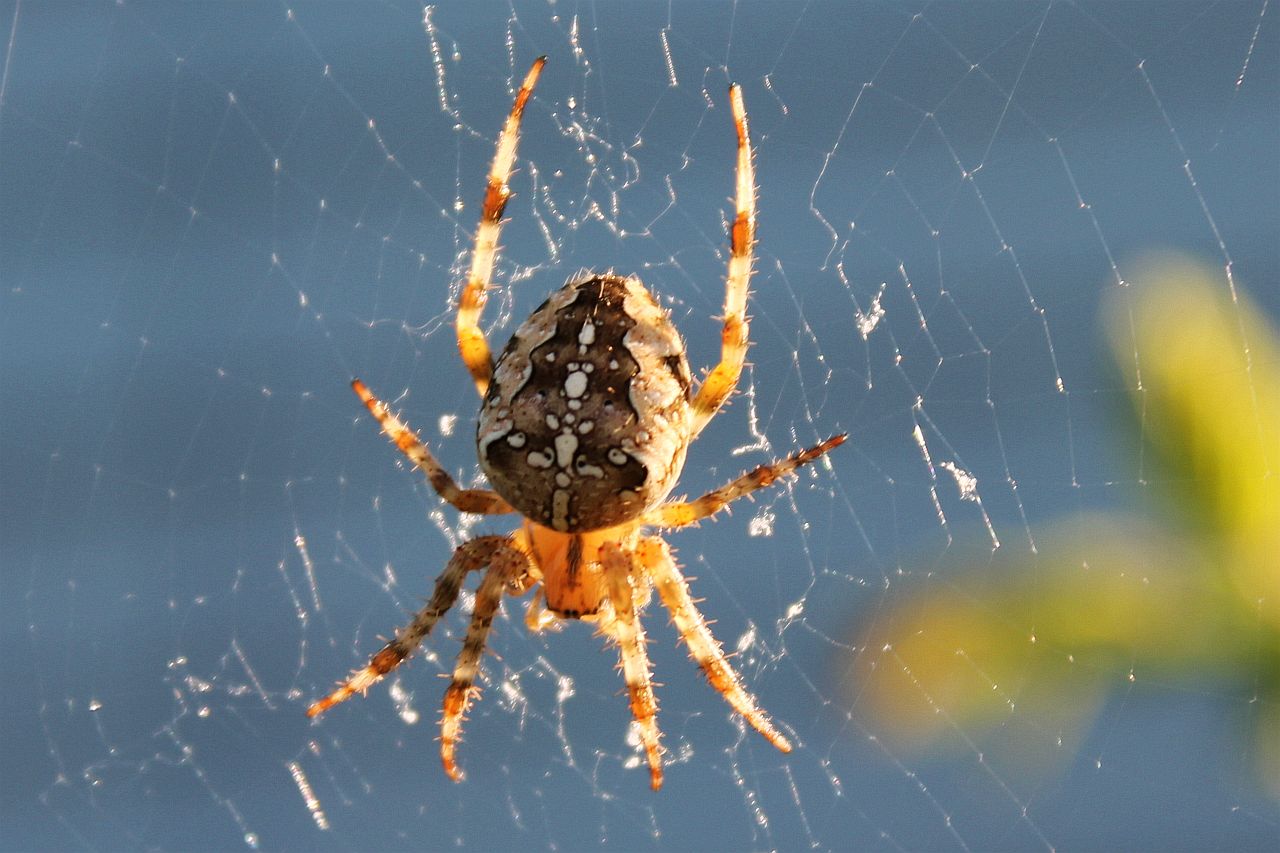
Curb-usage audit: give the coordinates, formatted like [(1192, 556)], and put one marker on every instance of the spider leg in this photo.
[(656, 557), (472, 345), (721, 381), (467, 558), (622, 625), (479, 501), (508, 569), (684, 513), (537, 618)]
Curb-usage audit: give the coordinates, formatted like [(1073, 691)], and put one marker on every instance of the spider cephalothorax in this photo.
[(586, 419)]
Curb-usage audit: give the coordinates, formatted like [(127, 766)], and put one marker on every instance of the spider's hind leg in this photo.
[(721, 381), (472, 345)]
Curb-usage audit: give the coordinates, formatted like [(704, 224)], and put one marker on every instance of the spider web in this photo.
[(214, 217)]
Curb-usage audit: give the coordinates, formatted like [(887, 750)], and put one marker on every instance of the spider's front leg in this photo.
[(621, 623), (468, 557), (510, 570), (656, 558)]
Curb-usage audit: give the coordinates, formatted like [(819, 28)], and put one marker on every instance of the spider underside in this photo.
[(585, 421)]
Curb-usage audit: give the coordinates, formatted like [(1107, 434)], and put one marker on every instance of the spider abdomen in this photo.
[(587, 418)]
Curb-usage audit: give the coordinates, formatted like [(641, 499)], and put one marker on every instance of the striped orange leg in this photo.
[(622, 625), (656, 558), (472, 346), (721, 381), (509, 571), (479, 501), (468, 557), (683, 513)]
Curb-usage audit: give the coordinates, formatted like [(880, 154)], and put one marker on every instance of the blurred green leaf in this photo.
[(1191, 597), (1204, 376)]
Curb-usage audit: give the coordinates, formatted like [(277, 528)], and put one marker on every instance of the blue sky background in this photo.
[(213, 216)]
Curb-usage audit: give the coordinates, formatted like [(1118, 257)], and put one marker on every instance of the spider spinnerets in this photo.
[(585, 422)]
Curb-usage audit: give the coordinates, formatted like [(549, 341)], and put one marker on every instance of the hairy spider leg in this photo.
[(468, 557), (721, 381), (623, 626), (509, 571), (478, 501), (472, 345), (684, 513), (705, 650), (537, 618)]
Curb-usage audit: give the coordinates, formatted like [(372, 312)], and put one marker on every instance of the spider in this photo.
[(585, 420)]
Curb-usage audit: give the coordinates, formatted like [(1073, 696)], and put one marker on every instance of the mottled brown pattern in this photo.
[(624, 415)]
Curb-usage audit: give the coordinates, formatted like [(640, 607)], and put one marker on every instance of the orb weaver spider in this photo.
[(585, 421)]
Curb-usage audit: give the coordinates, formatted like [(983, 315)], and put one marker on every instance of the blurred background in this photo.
[(1025, 254)]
